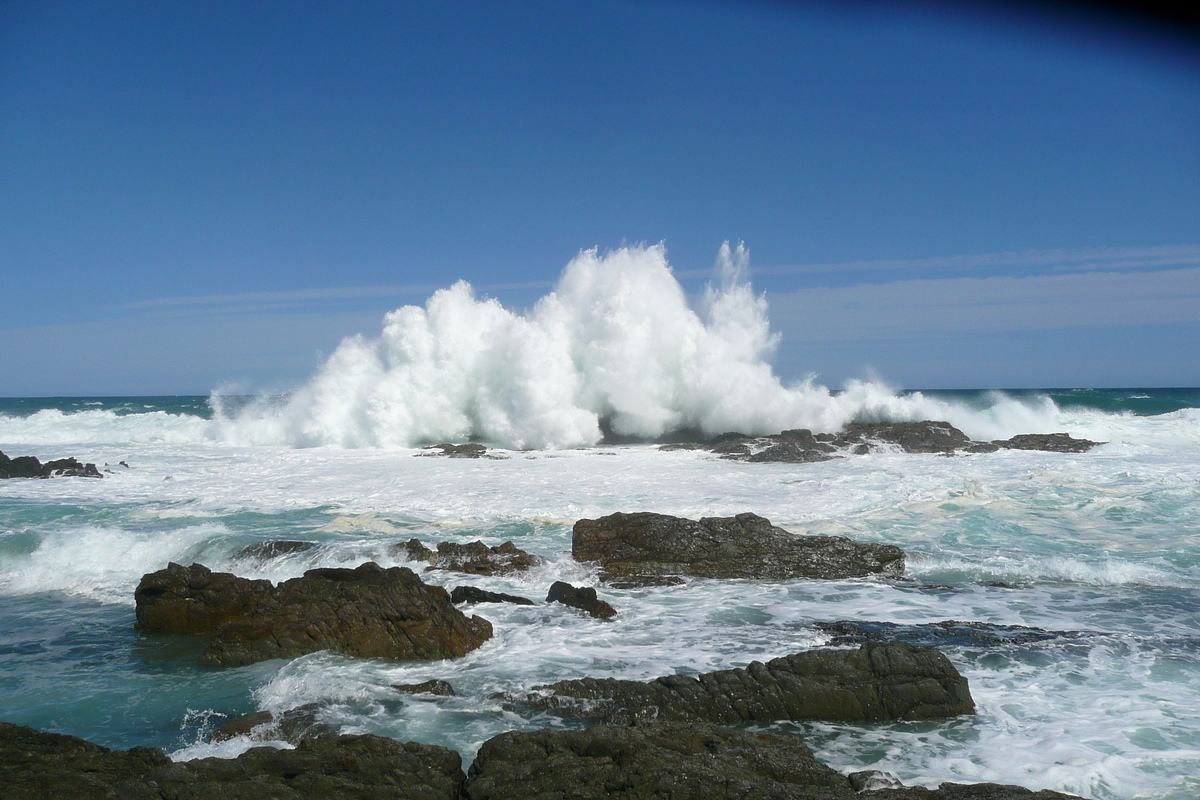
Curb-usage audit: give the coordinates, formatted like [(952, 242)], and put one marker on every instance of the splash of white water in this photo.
[(615, 343)]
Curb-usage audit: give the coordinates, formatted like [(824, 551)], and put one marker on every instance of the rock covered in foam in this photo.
[(367, 612), (877, 682), (746, 546)]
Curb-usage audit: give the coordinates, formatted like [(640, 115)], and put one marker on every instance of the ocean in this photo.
[(1082, 571)]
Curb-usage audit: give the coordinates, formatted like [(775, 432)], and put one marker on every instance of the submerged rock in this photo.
[(584, 598), (877, 682), (368, 612), (472, 594), (746, 546), (294, 726), (434, 687), (468, 450), (263, 551), (30, 467), (50, 766), (681, 761), (476, 558)]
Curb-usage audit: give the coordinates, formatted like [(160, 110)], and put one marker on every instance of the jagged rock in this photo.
[(267, 550), (472, 594), (868, 780), (194, 599), (651, 760), (877, 682), (468, 450), (49, 766), (583, 598), (294, 725), (30, 467), (476, 558), (928, 436), (434, 687), (1050, 442), (746, 546), (367, 612), (413, 550)]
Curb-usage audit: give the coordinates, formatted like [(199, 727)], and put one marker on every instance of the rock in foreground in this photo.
[(680, 761), (30, 467), (50, 766), (746, 546), (877, 682), (367, 612)]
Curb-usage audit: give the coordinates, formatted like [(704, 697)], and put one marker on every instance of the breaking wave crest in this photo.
[(616, 345)]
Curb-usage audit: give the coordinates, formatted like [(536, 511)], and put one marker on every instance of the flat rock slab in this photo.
[(878, 682), (367, 612), (631, 546), (50, 766), (651, 760)]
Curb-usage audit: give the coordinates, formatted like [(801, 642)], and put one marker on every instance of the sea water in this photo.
[(1082, 569)]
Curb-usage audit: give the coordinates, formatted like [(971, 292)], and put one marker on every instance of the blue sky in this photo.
[(198, 194)]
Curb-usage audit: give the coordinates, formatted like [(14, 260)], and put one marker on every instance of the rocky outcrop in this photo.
[(929, 436), (877, 682), (473, 594), (367, 612), (30, 467), (584, 598), (265, 551), (468, 450), (651, 760), (49, 766), (474, 558), (638, 545), (435, 687), (194, 599), (294, 725)]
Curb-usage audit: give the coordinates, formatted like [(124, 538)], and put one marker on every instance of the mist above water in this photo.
[(616, 348)]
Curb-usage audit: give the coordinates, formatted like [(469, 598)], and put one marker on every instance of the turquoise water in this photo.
[(1083, 572)]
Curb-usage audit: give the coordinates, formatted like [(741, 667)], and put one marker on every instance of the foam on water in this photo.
[(616, 344)]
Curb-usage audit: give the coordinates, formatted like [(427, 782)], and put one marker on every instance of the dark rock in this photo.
[(746, 546), (469, 450), (651, 760), (48, 766), (947, 633), (434, 687), (969, 791), (583, 598), (471, 594), (30, 467), (877, 682), (869, 780), (194, 599), (294, 726), (268, 550), (367, 612), (911, 437), (413, 550), (477, 558), (1050, 442)]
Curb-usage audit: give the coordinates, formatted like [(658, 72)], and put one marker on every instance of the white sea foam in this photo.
[(100, 426), (617, 343)]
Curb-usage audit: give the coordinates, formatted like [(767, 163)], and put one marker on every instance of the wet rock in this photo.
[(1049, 442), (30, 467), (468, 450), (651, 760), (294, 726), (194, 599), (476, 558), (869, 780), (264, 551), (968, 791), (947, 633), (434, 687), (48, 766), (746, 546), (928, 436), (367, 612), (583, 598), (471, 594), (413, 550), (877, 682)]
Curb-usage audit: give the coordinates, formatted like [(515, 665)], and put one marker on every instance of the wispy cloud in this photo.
[(914, 308)]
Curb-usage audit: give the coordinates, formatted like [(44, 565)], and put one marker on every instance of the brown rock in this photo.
[(477, 558), (194, 599)]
